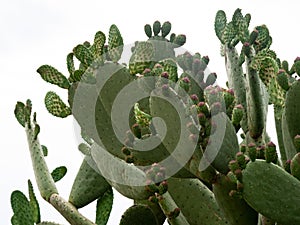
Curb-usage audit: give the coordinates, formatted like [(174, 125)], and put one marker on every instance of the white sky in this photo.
[(36, 32)]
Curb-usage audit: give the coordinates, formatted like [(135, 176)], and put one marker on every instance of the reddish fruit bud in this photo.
[(194, 98), (252, 151), (297, 59), (230, 91), (201, 118), (234, 165), (186, 80), (163, 187), (174, 213), (240, 157), (165, 75), (260, 152)]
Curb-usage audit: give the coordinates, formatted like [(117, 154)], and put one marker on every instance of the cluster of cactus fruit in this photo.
[(224, 180)]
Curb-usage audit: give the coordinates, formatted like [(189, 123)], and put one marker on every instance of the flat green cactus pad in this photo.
[(138, 215), (196, 201), (272, 192), (21, 208), (88, 186), (291, 119)]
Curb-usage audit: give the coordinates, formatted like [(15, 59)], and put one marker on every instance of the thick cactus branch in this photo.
[(72, 215), (168, 205), (236, 80), (256, 100), (43, 177)]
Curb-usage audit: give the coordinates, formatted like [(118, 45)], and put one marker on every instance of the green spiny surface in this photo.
[(169, 66), (44, 150), (236, 80), (264, 62), (14, 220), (241, 25), (143, 119), (20, 113), (88, 186), (137, 215), (263, 40), (141, 57), (120, 174), (56, 106), (148, 30), (167, 204), (209, 174), (83, 54), (235, 209), (103, 133), (229, 33), (58, 173), (163, 49), (160, 216), (99, 41), (34, 205), (115, 43), (224, 141), (179, 40), (196, 201), (84, 149), (98, 109), (42, 175), (256, 102), (21, 208), (104, 206), (156, 28), (162, 108), (176, 133), (289, 147), (53, 76), (278, 193), (279, 131), (291, 120), (295, 166), (165, 28), (76, 76), (71, 214), (220, 24), (283, 80), (70, 63)]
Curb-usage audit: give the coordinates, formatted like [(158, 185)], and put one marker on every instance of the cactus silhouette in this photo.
[(159, 130)]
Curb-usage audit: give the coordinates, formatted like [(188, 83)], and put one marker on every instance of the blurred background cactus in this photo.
[(234, 173)]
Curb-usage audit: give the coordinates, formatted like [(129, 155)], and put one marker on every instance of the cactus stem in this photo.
[(43, 177), (68, 211)]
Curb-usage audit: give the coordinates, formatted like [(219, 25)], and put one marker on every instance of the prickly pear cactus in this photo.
[(159, 130)]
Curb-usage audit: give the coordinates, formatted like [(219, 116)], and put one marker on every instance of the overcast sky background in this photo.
[(37, 32)]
